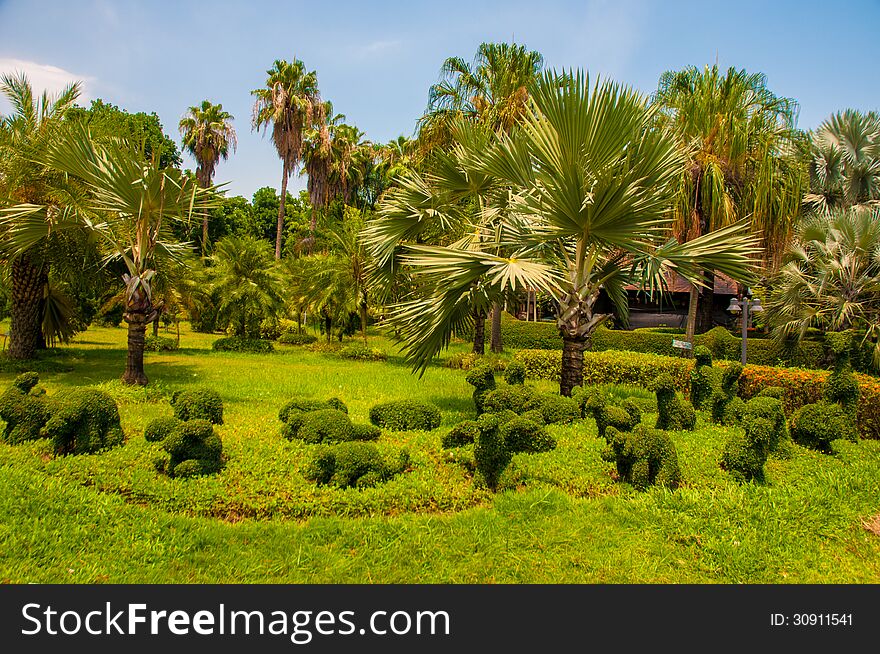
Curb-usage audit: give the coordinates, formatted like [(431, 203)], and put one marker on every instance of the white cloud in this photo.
[(379, 47), (44, 77)]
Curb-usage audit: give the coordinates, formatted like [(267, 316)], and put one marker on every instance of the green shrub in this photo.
[(83, 421), (362, 353), (242, 344), (518, 399), (491, 456), (841, 386), (523, 435), (158, 430), (353, 464), (198, 404), (515, 373), (464, 433), (24, 410), (482, 378), (593, 403), (270, 329), (817, 425), (365, 432), (469, 361), (406, 415), (673, 412), (558, 409), (159, 344), (288, 338), (776, 392), (643, 457), (325, 426), (307, 404), (534, 415), (194, 449)]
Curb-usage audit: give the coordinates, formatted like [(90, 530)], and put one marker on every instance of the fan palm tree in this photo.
[(740, 162), (128, 204), (590, 184), (845, 162), (208, 136), (36, 122), (830, 278), (291, 103)]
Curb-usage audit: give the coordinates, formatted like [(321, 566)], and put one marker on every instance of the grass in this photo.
[(560, 518)]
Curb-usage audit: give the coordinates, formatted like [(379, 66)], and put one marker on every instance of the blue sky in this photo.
[(376, 60)]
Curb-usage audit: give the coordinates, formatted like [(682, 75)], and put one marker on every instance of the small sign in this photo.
[(682, 345)]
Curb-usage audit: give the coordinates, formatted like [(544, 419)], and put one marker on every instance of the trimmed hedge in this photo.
[(241, 344), (24, 409), (288, 338), (406, 415), (358, 352), (801, 386), (720, 342)]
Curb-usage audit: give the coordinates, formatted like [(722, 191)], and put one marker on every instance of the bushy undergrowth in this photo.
[(292, 338), (242, 344), (359, 352)]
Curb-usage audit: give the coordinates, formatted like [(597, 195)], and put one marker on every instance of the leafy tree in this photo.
[(209, 136), (141, 130), (740, 162), (246, 281), (127, 203), (845, 161), (590, 184), (291, 103), (28, 231), (830, 278)]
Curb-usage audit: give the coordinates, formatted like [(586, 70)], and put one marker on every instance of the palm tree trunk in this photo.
[(364, 321), (692, 317), (495, 343), (134, 364), (572, 373), (479, 333), (706, 304), (281, 204), (25, 331)]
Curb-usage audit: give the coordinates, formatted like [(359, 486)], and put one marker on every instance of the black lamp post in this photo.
[(747, 305)]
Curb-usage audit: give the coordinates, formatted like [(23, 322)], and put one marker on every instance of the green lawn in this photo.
[(560, 518)]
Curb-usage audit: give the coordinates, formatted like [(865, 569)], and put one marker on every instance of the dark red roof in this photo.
[(724, 285)]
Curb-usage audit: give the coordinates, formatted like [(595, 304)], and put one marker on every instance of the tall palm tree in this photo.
[(493, 91), (291, 103), (208, 135), (127, 203), (845, 162), (740, 162), (590, 184), (34, 124)]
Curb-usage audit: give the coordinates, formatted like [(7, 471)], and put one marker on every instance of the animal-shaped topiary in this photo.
[(558, 409), (354, 465), (491, 455), (193, 448), (673, 412), (515, 373), (643, 457), (84, 420), (592, 402), (522, 435), (764, 428), (482, 378), (836, 416), (320, 421), (704, 378), (198, 404), (727, 406), (24, 410), (518, 399)]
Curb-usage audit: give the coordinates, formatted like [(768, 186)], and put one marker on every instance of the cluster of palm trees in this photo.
[(518, 179)]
